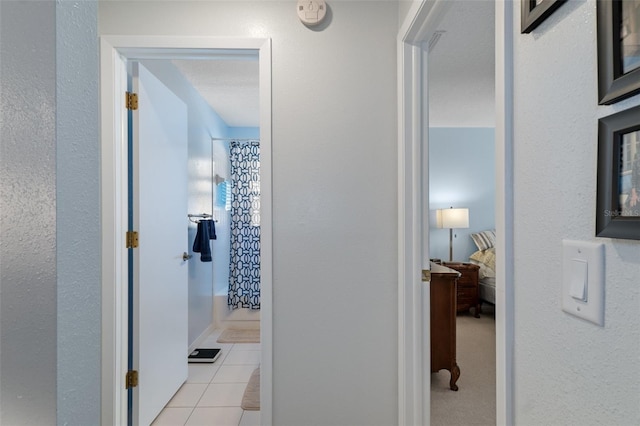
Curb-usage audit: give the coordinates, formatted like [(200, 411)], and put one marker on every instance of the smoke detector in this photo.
[(311, 12)]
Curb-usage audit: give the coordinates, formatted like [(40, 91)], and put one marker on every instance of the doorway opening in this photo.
[(414, 261), (116, 52), (461, 162)]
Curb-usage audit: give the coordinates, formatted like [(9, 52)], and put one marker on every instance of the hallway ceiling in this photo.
[(461, 74), (461, 67), (229, 86)]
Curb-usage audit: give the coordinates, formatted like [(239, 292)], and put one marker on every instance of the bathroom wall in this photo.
[(220, 250), (244, 132)]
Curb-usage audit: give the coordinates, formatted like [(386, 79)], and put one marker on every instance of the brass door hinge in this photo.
[(131, 379), (132, 239), (426, 275), (132, 101)]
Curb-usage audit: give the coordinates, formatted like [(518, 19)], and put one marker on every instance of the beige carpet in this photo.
[(251, 397), (239, 336), (475, 401)]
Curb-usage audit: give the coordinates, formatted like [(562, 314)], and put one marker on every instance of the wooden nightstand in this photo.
[(467, 296)]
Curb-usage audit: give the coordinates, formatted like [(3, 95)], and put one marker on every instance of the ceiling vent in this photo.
[(434, 39)]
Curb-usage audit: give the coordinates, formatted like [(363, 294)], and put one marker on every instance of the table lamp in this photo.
[(453, 219)]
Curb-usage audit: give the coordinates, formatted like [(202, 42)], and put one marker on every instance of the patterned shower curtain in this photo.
[(244, 266)]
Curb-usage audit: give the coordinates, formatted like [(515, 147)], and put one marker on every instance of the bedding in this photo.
[(486, 260), (487, 290)]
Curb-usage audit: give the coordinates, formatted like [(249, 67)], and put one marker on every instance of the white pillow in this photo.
[(486, 260), (484, 240)]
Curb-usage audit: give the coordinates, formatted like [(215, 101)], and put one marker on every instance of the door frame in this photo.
[(114, 52), (414, 391)]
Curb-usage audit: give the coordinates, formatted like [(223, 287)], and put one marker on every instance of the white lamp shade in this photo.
[(454, 218)]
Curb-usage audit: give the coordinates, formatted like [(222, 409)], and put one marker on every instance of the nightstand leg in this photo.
[(477, 313), (455, 375)]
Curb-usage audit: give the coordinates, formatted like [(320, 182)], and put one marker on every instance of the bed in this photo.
[(485, 258)]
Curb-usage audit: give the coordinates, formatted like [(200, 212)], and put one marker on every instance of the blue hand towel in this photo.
[(212, 229), (201, 242)]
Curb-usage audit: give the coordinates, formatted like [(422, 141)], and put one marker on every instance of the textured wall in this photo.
[(27, 227), (78, 204), (567, 371), (334, 196)]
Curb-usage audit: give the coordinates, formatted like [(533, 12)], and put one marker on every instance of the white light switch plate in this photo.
[(575, 253)]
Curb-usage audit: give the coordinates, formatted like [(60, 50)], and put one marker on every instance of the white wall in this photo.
[(335, 196), (567, 371), (28, 223), (461, 174)]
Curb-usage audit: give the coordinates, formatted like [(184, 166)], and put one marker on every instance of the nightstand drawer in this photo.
[(468, 277), (467, 289), (466, 281), (464, 299)]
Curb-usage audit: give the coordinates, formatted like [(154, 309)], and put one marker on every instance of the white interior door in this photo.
[(160, 274)]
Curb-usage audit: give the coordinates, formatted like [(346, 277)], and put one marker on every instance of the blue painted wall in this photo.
[(244, 132), (78, 233), (461, 174)]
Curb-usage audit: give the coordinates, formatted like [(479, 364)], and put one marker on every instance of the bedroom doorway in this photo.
[(419, 27), (461, 134), (115, 52)]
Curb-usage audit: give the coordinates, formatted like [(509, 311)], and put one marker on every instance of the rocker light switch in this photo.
[(578, 288), (583, 280)]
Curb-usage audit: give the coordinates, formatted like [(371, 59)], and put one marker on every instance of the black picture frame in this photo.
[(613, 84), (532, 13), (611, 220)]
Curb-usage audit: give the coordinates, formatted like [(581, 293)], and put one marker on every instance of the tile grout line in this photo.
[(232, 347)]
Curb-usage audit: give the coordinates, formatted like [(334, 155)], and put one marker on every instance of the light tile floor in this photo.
[(212, 393)]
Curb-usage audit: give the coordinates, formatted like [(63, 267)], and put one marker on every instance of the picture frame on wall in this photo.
[(618, 24), (618, 182), (534, 12)]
